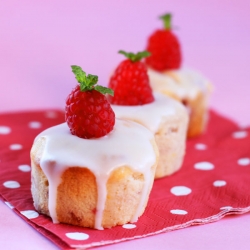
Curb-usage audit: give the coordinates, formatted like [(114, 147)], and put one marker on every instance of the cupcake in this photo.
[(94, 170), (168, 77), (166, 118)]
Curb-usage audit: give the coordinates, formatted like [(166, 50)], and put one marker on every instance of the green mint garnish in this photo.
[(135, 57), (104, 90), (87, 82), (167, 21)]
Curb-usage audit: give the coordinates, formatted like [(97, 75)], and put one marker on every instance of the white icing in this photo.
[(150, 115), (184, 82), (128, 144)]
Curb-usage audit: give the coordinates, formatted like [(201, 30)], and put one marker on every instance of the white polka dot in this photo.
[(200, 146), (240, 134), (16, 146), (11, 184), (244, 161), (178, 211), (204, 165), (77, 236), (9, 205), (35, 125), (129, 226), (4, 130), (219, 183), (30, 214), (51, 114), (180, 190), (24, 168), (225, 208)]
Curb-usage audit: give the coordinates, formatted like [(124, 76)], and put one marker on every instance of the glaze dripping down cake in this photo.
[(97, 183), (188, 87)]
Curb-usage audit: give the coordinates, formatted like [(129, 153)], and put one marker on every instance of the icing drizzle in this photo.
[(150, 115), (184, 82), (129, 144)]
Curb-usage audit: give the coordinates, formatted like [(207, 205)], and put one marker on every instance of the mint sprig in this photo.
[(167, 21), (135, 57), (87, 82)]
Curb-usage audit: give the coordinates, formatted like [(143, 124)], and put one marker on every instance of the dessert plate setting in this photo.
[(213, 182)]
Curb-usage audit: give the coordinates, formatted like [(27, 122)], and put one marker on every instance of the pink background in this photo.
[(39, 40)]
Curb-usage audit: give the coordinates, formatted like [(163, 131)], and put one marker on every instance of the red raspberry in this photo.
[(164, 48), (130, 81), (88, 112)]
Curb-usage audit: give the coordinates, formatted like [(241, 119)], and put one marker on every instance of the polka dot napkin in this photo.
[(213, 182)]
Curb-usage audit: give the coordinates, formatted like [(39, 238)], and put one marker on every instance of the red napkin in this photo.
[(213, 182)]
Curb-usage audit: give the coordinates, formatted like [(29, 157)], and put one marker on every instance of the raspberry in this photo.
[(164, 48), (130, 81), (88, 112)]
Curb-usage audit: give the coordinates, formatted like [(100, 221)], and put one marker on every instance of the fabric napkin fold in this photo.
[(213, 182)]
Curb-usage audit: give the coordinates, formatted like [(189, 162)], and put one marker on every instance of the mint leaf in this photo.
[(92, 80), (143, 54), (167, 20), (104, 90), (79, 73), (87, 82), (135, 57)]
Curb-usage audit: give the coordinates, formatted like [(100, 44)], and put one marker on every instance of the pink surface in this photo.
[(39, 40)]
